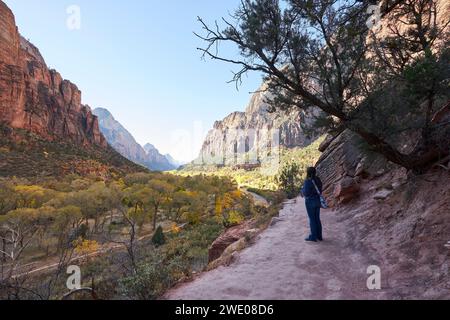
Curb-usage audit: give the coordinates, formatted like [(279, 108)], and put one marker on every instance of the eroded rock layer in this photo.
[(37, 99), (256, 131)]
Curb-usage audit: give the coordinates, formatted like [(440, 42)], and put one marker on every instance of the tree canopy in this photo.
[(343, 58)]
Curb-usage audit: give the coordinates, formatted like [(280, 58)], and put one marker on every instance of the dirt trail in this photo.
[(40, 266), (281, 265), (51, 264)]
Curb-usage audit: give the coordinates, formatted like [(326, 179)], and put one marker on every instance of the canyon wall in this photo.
[(123, 142), (37, 99), (257, 131)]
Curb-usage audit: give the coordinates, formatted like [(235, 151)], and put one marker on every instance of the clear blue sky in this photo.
[(139, 59)]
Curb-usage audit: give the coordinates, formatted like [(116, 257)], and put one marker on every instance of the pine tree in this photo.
[(159, 238)]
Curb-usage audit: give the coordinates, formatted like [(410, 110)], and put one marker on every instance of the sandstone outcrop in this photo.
[(37, 99), (157, 161), (124, 143), (229, 237), (404, 221), (345, 164), (256, 131)]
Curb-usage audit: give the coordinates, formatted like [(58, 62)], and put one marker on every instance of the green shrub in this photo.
[(290, 180), (148, 283), (159, 238), (233, 218)]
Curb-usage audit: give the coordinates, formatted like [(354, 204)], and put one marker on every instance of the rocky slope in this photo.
[(402, 219), (25, 154), (173, 162), (122, 141), (405, 232), (119, 138), (256, 131), (38, 99), (394, 219)]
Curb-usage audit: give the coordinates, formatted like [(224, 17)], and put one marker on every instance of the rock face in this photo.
[(255, 131), (344, 165), (157, 160), (119, 138), (37, 99), (229, 237), (405, 222), (173, 162), (124, 143)]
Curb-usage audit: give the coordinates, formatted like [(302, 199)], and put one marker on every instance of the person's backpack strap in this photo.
[(315, 186), (323, 202)]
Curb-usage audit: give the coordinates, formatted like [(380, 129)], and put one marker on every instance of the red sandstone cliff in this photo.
[(37, 99)]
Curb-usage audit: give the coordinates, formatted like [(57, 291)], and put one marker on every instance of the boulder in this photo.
[(346, 190), (361, 169), (251, 234), (344, 165), (229, 237)]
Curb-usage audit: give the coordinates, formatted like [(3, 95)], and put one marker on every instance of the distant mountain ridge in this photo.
[(158, 159), (37, 99), (45, 130), (174, 162), (256, 130), (124, 142)]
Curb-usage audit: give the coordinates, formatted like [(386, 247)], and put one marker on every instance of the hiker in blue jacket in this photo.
[(313, 206)]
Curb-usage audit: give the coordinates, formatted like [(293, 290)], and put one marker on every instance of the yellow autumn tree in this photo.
[(85, 247)]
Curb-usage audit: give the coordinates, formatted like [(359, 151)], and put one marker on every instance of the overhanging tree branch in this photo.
[(271, 45)]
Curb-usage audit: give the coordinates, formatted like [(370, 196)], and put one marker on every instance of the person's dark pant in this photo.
[(313, 208)]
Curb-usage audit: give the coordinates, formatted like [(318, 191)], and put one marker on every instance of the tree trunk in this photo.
[(3, 256), (381, 146), (415, 162), (155, 214), (426, 132), (131, 248), (4, 250)]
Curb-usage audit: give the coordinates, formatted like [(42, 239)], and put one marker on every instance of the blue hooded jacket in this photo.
[(309, 191)]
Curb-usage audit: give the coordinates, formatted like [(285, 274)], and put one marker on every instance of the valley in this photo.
[(145, 217), (122, 141)]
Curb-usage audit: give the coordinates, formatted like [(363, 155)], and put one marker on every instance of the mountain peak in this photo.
[(247, 131), (150, 148), (173, 162), (103, 113), (124, 142)]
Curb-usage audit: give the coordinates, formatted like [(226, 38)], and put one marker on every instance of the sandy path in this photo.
[(281, 265)]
